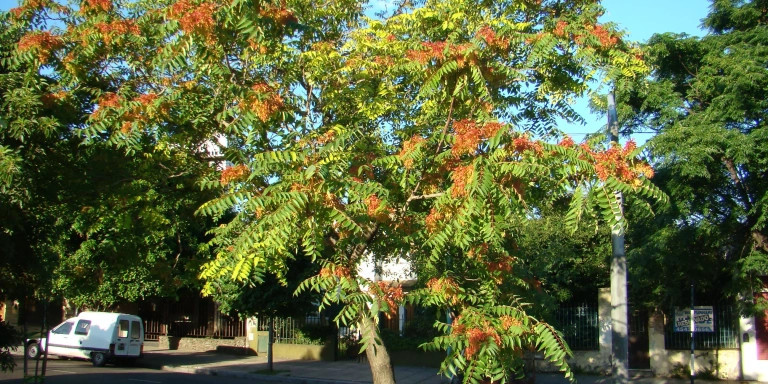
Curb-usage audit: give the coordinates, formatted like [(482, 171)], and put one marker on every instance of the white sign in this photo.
[(703, 319)]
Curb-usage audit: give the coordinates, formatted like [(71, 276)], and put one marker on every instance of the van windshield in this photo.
[(64, 328)]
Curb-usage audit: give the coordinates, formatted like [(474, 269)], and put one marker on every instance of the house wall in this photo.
[(754, 369), (394, 269)]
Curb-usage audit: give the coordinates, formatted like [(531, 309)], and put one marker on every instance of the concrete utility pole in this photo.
[(619, 308)]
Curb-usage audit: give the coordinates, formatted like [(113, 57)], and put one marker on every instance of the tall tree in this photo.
[(407, 135), (706, 99), (86, 222)]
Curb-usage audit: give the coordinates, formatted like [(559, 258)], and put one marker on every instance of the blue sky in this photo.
[(640, 20)]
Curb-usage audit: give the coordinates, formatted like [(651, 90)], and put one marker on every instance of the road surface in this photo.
[(83, 372)]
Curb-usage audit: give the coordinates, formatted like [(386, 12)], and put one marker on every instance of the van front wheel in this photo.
[(98, 359), (33, 350)]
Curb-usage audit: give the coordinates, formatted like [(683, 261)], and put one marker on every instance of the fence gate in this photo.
[(639, 357), (347, 343)]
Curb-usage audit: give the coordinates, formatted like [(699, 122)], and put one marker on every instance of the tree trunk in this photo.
[(378, 357)]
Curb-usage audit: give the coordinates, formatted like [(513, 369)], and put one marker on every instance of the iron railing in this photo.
[(725, 335), (580, 326), (222, 328), (308, 330)]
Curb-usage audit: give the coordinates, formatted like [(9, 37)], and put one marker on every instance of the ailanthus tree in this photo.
[(410, 134)]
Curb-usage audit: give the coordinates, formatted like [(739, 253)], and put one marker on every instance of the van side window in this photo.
[(64, 328), (123, 330), (83, 326), (135, 330)]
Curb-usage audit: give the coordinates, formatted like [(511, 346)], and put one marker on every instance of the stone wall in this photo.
[(201, 344), (303, 352)]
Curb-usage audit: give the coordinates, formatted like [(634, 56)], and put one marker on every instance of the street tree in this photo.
[(706, 100), (89, 223), (409, 134)]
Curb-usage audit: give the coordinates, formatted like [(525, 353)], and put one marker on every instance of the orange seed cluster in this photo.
[(604, 36), (439, 51), (117, 28), (461, 176), (194, 18), (341, 272), (566, 142), (470, 134), (391, 295), (446, 288), (96, 5), (234, 173), (476, 337), (264, 102), (491, 38), (281, 15), (433, 220), (522, 143), (409, 146), (615, 162), (42, 42)]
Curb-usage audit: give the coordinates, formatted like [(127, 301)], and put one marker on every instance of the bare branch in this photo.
[(424, 197)]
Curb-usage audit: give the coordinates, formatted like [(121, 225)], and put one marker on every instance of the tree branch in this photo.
[(738, 182), (761, 240), (424, 197), (360, 248)]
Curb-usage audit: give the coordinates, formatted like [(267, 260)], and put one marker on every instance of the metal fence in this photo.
[(312, 330), (579, 325), (154, 329), (223, 328), (725, 335)]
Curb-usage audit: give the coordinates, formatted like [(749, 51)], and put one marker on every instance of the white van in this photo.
[(97, 336)]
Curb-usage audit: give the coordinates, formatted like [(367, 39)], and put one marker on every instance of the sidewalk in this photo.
[(321, 372), (285, 371)]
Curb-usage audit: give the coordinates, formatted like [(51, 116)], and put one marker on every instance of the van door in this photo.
[(60, 339), (79, 335), (123, 337), (137, 338)]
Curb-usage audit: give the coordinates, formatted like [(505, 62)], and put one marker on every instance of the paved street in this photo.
[(82, 372), (179, 367)]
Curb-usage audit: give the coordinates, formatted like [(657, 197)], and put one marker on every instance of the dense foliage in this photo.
[(406, 135), (87, 222), (10, 338), (706, 99)]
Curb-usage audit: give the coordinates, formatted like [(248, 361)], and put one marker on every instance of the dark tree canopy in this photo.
[(82, 219), (706, 99)]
